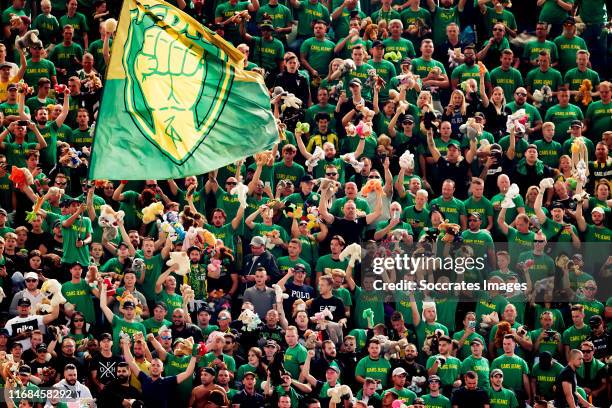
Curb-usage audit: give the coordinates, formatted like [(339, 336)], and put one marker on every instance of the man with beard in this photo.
[(470, 395), (180, 328), (48, 130), (103, 367), (248, 394), (70, 382), (119, 392), (469, 69), (600, 337), (320, 365), (200, 394), (591, 375)]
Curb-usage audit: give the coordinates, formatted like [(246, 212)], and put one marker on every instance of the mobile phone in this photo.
[(472, 324), (396, 215), (266, 183), (22, 123)]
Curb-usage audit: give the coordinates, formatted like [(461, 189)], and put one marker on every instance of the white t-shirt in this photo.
[(18, 325)]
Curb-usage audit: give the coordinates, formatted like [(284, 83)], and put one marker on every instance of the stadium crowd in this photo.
[(469, 128)]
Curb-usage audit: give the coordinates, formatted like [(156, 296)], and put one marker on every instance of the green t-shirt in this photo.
[(480, 241), (508, 80), (572, 336), (307, 13), (552, 13), (442, 17), (567, 48), (152, 325), (424, 329), (545, 379), (294, 358), (504, 398), (422, 67), (533, 48), (377, 369), (368, 299), (227, 10), (311, 112), (519, 242), (452, 209), (480, 366), (387, 16), (492, 17), (536, 79), (293, 173), (79, 294), (129, 328), (96, 49), (79, 229), (36, 70), (318, 53), (48, 28), (466, 350), (63, 56), (173, 301), (266, 231), (404, 394), (153, 268), (599, 116), (417, 219), (439, 401), (403, 45), (133, 214), (338, 206), (449, 372), (34, 103), (16, 152), (385, 70), (464, 72), (229, 361), (593, 12), (279, 14), (267, 54), (175, 365), (361, 73), (513, 367), (545, 345), (341, 23), (482, 207), (78, 22), (562, 118), (543, 265)]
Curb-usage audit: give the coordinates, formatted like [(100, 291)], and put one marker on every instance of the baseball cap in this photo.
[(5, 65), (453, 143), (577, 256), (570, 20), (355, 81), (599, 210), (271, 343), (11, 87), (479, 115), (496, 371), (4, 332), (30, 275), (433, 377), (576, 123), (266, 26), (3, 211), (299, 268), (57, 223), (419, 401), (105, 336), (475, 215), (250, 373), (128, 303), (204, 308), (595, 321), (378, 43), (208, 370), (406, 61), (557, 204), (24, 302), (495, 147), (161, 305), (41, 347), (399, 371), (532, 146), (445, 338), (408, 119), (334, 367), (257, 241), (306, 178), (25, 369), (476, 340)]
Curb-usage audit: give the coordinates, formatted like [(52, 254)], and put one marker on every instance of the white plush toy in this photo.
[(51, 290), (336, 393), (347, 65), (406, 160), (279, 294), (508, 201), (2, 295), (249, 319), (350, 159), (546, 183), (517, 122), (241, 191), (353, 252), (182, 260), (317, 155), (109, 221), (454, 56)]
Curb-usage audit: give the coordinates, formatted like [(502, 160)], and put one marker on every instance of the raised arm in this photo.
[(373, 216), (104, 301), (435, 153), (301, 146), (501, 221), (325, 215), (192, 363)]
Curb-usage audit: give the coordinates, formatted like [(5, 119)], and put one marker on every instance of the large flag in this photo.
[(177, 100)]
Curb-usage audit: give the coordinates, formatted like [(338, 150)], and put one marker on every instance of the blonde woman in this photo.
[(327, 82), (496, 111), (456, 112)]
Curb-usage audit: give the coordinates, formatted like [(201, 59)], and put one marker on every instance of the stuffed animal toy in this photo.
[(214, 268), (368, 314), (489, 320), (353, 252), (430, 346), (418, 28), (472, 129), (109, 221), (584, 95), (372, 79), (311, 338), (240, 16), (250, 320), (347, 66), (580, 158), (129, 297), (407, 80), (199, 237), (184, 348), (546, 184), (152, 211), (350, 159), (330, 187), (338, 392), (294, 211), (279, 294), (451, 231), (337, 89), (291, 101), (187, 293), (302, 128), (51, 291), (393, 56), (182, 260), (322, 318), (371, 186), (31, 215), (269, 236), (508, 201), (70, 157), (241, 192), (351, 130), (454, 57), (416, 384), (516, 122), (21, 177), (29, 39), (111, 288), (363, 129), (265, 158), (317, 155), (110, 25), (313, 218), (406, 160), (2, 295)]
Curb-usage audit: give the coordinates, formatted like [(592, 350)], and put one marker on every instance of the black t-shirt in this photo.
[(295, 292), (470, 398), (36, 240), (350, 230), (40, 369), (334, 304), (158, 393), (457, 172), (105, 368), (566, 375), (114, 394), (603, 344), (251, 400)]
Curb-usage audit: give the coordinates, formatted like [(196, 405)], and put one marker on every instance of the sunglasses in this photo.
[(520, 94), (373, 177), (331, 174), (31, 280), (78, 320), (539, 241), (165, 337), (587, 351)]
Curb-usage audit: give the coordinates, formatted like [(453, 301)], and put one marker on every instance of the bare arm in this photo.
[(501, 221), (435, 153)]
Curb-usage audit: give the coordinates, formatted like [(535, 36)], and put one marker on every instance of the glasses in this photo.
[(78, 320), (331, 174), (590, 287), (165, 337), (521, 94), (231, 183), (151, 185), (587, 351), (539, 241), (373, 177), (31, 280)]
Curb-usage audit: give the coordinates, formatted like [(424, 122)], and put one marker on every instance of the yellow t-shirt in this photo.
[(145, 367), (4, 86)]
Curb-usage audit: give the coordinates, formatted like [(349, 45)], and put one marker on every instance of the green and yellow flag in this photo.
[(177, 100)]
